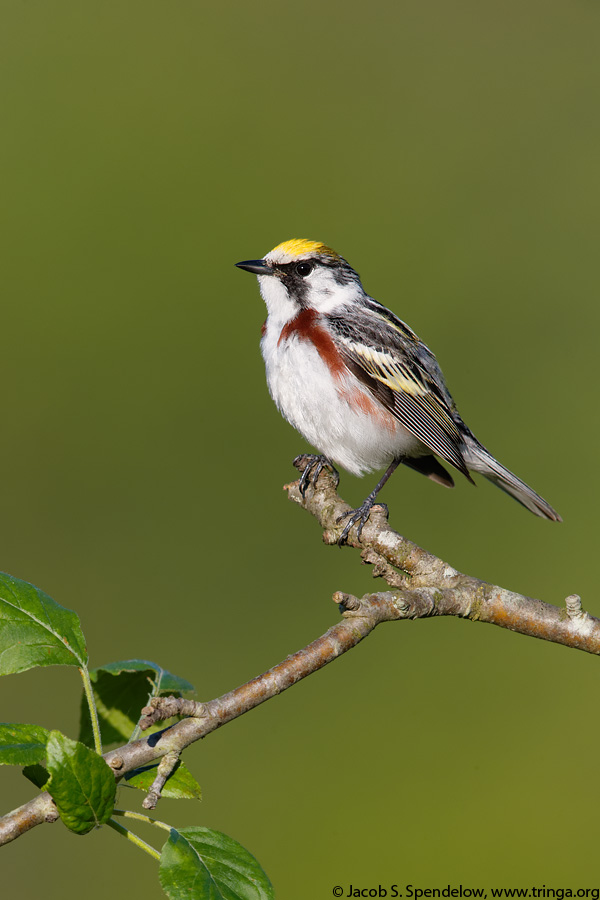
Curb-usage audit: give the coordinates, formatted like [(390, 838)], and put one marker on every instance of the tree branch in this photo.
[(405, 565), (423, 586)]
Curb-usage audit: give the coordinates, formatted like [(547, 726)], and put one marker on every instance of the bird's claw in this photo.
[(360, 515), (313, 465)]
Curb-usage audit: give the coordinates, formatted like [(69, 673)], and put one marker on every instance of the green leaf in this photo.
[(21, 745), (81, 783), (164, 680), (121, 689), (37, 774), (180, 785), (35, 630), (201, 864)]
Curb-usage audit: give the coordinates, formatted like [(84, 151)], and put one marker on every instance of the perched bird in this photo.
[(357, 383)]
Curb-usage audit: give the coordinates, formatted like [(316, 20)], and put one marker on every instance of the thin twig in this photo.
[(165, 768), (357, 623)]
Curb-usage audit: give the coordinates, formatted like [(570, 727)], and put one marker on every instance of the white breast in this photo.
[(323, 408)]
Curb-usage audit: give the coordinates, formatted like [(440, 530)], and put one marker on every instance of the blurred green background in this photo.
[(450, 152)]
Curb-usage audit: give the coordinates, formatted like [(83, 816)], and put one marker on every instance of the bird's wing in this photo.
[(402, 374)]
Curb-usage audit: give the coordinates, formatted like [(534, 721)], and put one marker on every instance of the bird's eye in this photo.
[(304, 268)]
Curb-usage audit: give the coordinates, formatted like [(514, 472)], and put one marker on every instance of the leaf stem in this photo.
[(89, 696), (129, 814), (120, 829)]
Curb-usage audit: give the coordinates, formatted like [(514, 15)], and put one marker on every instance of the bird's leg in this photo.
[(312, 466), (362, 513)]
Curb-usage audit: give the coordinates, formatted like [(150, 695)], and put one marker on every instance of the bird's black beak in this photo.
[(256, 266)]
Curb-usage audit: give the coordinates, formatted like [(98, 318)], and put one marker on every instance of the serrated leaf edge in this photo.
[(84, 793), (242, 874)]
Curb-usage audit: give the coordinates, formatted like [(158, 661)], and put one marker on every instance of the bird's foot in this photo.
[(359, 515), (312, 466)]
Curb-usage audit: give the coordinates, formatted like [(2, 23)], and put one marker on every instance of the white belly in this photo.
[(323, 408)]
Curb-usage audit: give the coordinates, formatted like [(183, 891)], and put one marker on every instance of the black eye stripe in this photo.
[(292, 268), (341, 272)]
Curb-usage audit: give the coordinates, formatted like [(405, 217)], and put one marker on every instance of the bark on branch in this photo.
[(422, 585), (407, 566)]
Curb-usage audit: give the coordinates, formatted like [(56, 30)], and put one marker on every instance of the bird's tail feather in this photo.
[(480, 460)]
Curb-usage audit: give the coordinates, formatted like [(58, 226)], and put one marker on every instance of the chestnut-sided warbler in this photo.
[(357, 383)]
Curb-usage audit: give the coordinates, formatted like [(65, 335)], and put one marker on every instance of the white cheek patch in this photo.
[(327, 296)]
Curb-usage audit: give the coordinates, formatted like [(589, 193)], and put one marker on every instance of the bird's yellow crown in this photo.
[(300, 247)]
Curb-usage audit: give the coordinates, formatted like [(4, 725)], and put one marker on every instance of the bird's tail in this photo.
[(480, 460)]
